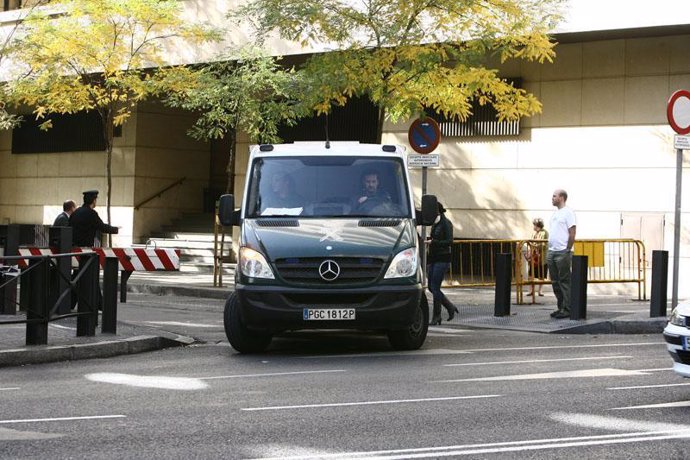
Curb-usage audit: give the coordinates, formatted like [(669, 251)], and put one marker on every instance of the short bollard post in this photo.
[(658, 300), (8, 293), (37, 312), (578, 286), (124, 276), (88, 295), (109, 319), (60, 238), (503, 281)]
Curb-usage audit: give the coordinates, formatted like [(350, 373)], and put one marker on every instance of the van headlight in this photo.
[(404, 264), (253, 264), (676, 318)]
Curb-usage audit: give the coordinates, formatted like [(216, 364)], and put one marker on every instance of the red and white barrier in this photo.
[(130, 259)]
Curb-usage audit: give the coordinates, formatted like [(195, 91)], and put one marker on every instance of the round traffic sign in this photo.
[(678, 111), (424, 135)]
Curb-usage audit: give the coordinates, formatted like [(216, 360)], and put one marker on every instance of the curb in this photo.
[(651, 326), (158, 289), (54, 353)]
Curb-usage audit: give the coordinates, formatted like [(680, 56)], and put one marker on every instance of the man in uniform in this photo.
[(85, 222)]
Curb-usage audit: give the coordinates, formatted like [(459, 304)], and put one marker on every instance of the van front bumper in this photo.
[(274, 309)]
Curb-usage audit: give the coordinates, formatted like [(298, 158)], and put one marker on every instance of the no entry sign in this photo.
[(424, 135), (678, 111)]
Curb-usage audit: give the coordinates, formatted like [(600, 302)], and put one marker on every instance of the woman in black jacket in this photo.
[(438, 261)]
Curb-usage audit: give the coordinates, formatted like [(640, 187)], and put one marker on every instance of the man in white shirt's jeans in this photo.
[(561, 239)]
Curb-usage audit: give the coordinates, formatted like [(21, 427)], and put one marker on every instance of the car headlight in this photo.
[(253, 264), (676, 318), (404, 264)]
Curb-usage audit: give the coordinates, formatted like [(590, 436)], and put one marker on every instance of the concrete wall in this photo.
[(602, 136)]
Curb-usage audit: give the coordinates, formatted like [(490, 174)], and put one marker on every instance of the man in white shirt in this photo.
[(561, 239)]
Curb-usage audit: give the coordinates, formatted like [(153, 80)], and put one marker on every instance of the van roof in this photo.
[(319, 148)]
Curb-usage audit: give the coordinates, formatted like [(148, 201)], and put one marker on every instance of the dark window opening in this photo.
[(356, 121), (78, 132)]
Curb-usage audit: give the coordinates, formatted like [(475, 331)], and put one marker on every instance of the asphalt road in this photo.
[(467, 393)]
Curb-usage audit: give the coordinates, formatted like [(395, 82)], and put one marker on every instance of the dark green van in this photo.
[(327, 240)]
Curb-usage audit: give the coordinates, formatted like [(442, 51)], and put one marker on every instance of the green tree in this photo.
[(408, 55), (103, 55), (250, 93)]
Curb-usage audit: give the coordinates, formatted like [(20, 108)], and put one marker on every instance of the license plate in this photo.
[(324, 314)]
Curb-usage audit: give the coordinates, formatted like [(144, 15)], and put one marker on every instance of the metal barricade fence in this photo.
[(609, 261)]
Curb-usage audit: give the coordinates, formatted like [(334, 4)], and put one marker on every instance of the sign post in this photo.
[(678, 115), (424, 136)]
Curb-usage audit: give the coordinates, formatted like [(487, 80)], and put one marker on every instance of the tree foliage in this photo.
[(251, 93), (103, 55), (408, 55)]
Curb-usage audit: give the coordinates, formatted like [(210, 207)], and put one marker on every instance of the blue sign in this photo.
[(424, 135)]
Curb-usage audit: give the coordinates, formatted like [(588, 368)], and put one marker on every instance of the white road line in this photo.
[(383, 354), (537, 361), (61, 419), (570, 347), (59, 326), (616, 423), (649, 386), (450, 330), (487, 448), (605, 372), (149, 381), (367, 403), (273, 374), (655, 406), (9, 388), (178, 323)]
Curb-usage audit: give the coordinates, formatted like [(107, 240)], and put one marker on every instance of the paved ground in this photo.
[(144, 328)]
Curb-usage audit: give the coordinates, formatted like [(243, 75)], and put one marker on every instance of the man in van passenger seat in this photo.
[(371, 196), (283, 193)]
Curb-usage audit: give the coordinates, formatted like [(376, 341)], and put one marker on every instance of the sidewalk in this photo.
[(605, 315)]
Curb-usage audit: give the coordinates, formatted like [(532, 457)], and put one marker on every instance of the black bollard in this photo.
[(88, 295), (578, 288), (658, 301), (503, 281), (37, 312), (60, 239), (109, 319)]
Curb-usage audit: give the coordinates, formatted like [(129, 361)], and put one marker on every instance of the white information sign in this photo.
[(681, 142), (421, 161)]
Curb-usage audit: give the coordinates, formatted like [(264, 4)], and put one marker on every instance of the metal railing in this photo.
[(160, 192), (609, 261), (42, 294)]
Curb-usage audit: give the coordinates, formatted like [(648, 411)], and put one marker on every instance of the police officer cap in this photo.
[(90, 194)]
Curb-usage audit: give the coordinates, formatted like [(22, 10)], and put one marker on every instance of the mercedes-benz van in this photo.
[(327, 240)]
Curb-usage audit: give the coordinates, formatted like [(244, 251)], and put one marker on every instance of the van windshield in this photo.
[(328, 187)]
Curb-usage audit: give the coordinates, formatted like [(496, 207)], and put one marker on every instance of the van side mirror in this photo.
[(429, 211), (227, 215)]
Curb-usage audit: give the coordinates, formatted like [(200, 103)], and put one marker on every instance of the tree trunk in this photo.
[(107, 118), (230, 169), (379, 125)]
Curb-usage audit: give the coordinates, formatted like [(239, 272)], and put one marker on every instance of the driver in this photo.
[(371, 196)]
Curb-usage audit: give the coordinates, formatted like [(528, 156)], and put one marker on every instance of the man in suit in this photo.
[(62, 220)]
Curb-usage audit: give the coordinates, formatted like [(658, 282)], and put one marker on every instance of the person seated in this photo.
[(283, 199), (371, 196)]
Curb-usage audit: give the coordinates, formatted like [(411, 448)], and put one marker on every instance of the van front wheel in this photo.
[(413, 337), (242, 339)]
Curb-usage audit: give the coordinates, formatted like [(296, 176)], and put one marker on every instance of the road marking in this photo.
[(449, 330), (272, 374), (434, 351), (9, 388), (60, 419), (655, 406), (7, 434), (149, 381), (178, 323), (367, 403), (616, 423), (606, 372), (537, 361), (649, 386), (59, 326), (570, 347), (492, 448)]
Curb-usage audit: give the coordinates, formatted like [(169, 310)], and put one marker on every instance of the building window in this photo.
[(482, 122), (78, 132)]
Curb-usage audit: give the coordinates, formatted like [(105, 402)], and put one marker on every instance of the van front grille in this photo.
[(353, 270)]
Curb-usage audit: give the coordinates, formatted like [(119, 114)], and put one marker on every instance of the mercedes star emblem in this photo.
[(329, 270)]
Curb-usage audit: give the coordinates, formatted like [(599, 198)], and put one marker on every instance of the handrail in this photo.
[(157, 195)]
